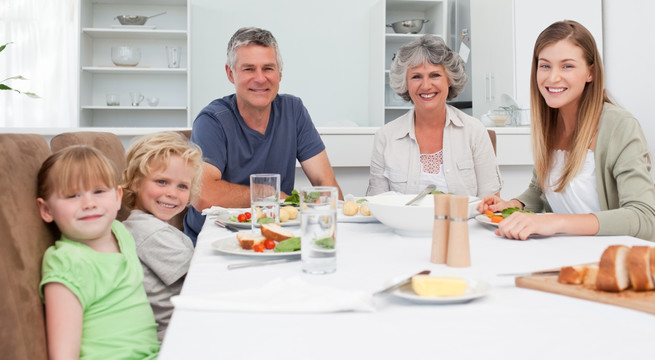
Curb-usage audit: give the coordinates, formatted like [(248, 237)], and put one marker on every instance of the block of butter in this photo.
[(431, 285)]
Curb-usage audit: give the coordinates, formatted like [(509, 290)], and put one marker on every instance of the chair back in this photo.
[(492, 136), (25, 237), (108, 143)]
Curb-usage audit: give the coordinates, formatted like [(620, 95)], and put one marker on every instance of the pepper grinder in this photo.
[(459, 254), (440, 228)]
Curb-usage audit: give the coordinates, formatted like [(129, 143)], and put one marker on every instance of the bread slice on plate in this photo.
[(275, 232), (613, 272), (639, 268), (247, 239), (572, 274)]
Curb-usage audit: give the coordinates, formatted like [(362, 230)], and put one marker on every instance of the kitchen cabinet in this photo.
[(98, 76), (396, 10), (503, 33)]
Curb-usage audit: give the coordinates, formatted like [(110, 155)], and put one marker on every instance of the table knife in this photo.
[(232, 228), (261, 263), (400, 283), (534, 273)]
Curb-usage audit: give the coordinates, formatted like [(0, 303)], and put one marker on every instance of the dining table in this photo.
[(503, 322)]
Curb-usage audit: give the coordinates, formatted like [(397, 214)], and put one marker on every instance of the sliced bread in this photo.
[(572, 274), (247, 239), (590, 276), (613, 272), (639, 268), (275, 232)]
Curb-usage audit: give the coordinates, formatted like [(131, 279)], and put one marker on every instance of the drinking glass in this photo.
[(264, 199), (113, 100), (173, 56), (136, 97), (318, 229)]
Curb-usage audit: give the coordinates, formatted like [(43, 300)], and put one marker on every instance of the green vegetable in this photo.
[(437, 192), (265, 220), (288, 245), (293, 199), (325, 243), (509, 211), (362, 200)]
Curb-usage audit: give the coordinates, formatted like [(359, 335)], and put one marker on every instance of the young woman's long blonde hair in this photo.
[(545, 119)]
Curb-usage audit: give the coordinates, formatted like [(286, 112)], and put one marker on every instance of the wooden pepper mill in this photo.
[(459, 254), (440, 228)]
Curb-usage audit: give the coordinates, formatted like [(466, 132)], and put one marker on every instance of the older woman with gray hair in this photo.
[(433, 143)]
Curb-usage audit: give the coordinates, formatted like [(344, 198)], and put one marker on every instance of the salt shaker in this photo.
[(459, 254), (440, 228)]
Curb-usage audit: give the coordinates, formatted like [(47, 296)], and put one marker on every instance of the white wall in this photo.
[(629, 51), (324, 46)]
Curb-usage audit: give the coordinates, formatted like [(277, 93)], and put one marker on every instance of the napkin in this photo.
[(215, 210), (291, 295)]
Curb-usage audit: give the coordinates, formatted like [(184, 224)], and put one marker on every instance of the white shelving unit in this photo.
[(99, 31), (396, 10)]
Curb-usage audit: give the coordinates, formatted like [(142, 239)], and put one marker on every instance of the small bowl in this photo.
[(125, 55), (499, 116), (413, 220), (408, 26)]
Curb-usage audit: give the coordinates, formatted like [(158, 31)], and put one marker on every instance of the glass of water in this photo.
[(318, 229), (264, 199)]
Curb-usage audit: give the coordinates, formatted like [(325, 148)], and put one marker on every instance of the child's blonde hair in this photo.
[(75, 168), (151, 153)]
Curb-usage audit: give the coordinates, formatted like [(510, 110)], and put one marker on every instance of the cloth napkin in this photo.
[(215, 210), (291, 295)]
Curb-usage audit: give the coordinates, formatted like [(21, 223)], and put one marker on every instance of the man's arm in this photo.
[(218, 192), (319, 171)]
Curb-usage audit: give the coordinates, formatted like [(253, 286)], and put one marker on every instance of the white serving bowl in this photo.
[(413, 220), (125, 55)]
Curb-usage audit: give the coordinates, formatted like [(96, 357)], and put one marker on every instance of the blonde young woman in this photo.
[(592, 163)]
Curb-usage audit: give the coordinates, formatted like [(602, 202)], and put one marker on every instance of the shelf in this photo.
[(105, 33), (416, 5), (138, 108), (133, 70)]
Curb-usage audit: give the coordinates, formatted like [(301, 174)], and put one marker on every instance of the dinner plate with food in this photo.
[(493, 219), (274, 241), (432, 289), (355, 210), (243, 220)]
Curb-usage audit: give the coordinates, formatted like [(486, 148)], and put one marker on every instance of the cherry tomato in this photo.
[(269, 244), (259, 247), (248, 215), (242, 218)]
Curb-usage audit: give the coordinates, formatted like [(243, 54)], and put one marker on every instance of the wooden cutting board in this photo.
[(636, 300)]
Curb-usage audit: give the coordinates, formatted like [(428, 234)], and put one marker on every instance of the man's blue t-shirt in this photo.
[(238, 151)]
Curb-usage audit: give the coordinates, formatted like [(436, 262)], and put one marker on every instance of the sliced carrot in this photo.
[(489, 213), (496, 218)]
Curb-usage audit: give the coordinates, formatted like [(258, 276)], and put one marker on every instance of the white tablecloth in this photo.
[(509, 323)]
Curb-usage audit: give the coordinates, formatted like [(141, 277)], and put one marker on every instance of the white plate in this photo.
[(225, 218), (230, 245), (357, 218), (474, 289), (485, 220)]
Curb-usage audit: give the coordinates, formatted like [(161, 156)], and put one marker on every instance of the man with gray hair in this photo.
[(254, 130)]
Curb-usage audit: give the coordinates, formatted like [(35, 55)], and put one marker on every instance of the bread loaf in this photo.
[(247, 239), (275, 232), (590, 277), (613, 272), (639, 268), (572, 274)]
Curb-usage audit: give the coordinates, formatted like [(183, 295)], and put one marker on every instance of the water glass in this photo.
[(264, 199), (173, 56), (113, 100), (318, 229)]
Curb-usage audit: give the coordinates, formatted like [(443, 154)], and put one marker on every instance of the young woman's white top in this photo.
[(580, 196)]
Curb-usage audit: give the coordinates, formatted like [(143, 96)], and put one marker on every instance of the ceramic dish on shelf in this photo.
[(474, 289), (230, 245)]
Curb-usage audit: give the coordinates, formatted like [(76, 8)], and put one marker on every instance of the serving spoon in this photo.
[(428, 189)]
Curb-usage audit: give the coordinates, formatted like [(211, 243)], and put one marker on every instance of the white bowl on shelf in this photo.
[(125, 55), (413, 220)]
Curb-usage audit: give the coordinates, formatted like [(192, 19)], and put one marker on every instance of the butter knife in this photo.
[(400, 283), (261, 263), (430, 188)]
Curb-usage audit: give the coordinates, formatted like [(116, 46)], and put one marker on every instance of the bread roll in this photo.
[(639, 268), (572, 274), (613, 272), (275, 232), (350, 208), (247, 239)]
